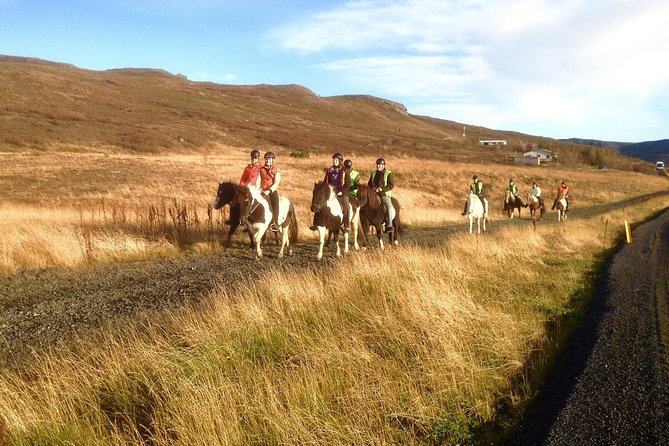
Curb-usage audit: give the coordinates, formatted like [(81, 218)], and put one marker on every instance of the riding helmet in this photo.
[(255, 154), (338, 156), (475, 177), (270, 155), (381, 161), (348, 164)]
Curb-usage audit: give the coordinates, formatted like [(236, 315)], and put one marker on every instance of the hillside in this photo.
[(649, 150), (48, 105)]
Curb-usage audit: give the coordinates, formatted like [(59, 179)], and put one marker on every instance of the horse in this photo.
[(373, 213), (328, 214), (476, 210), (561, 207), (512, 202), (255, 211), (227, 195), (535, 204)]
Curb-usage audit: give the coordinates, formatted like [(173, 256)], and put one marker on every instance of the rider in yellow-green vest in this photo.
[(382, 182), (512, 188), (354, 178), (477, 187)]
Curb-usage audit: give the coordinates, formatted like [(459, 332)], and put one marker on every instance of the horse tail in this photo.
[(398, 223), (292, 227)]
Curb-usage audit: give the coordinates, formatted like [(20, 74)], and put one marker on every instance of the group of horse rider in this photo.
[(341, 176), (477, 188)]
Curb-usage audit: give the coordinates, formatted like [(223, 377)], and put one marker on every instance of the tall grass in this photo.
[(67, 208), (414, 346)]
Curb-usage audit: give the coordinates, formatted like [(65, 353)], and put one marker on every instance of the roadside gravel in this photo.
[(610, 384)]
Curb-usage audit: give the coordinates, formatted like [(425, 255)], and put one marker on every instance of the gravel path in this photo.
[(610, 385)]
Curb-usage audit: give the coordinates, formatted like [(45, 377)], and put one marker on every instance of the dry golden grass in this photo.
[(65, 208), (419, 347)]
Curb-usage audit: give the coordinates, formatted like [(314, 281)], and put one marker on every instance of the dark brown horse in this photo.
[(227, 195), (512, 202), (372, 213)]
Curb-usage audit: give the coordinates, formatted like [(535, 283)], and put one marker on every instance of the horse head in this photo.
[(225, 194), (320, 196)]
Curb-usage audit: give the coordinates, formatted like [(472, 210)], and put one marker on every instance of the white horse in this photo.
[(561, 207), (258, 216), (328, 215), (477, 210)]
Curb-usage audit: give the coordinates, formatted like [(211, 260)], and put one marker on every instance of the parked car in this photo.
[(659, 165)]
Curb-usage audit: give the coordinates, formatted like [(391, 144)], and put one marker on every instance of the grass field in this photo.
[(65, 208), (418, 347)]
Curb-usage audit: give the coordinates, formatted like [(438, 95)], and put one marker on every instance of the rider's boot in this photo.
[(466, 208)]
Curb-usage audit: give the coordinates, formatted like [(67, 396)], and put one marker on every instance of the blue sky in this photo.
[(557, 68)]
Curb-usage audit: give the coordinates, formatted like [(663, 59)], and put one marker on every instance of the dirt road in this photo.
[(610, 385)]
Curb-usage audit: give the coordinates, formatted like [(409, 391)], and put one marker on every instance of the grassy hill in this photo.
[(49, 106), (649, 150)]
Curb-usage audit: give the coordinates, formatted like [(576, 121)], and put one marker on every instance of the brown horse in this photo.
[(372, 213), (512, 202), (535, 204)]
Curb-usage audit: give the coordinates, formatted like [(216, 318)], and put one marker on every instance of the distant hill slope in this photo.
[(597, 143), (650, 150), (50, 105)]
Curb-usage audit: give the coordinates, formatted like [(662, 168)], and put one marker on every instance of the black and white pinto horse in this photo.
[(561, 207), (477, 210), (512, 202), (255, 211), (227, 195), (328, 215), (373, 213)]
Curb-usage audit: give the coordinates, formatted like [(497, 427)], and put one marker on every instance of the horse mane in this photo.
[(373, 200)]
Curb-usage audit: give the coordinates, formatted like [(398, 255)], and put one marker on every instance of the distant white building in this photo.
[(543, 155), (492, 142)]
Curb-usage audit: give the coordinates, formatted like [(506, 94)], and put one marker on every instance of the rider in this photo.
[(340, 182), (250, 173), (512, 188), (354, 178), (562, 192), (268, 182), (477, 188), (382, 182), (536, 191)]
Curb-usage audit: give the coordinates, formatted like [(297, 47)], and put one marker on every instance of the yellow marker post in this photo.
[(628, 232)]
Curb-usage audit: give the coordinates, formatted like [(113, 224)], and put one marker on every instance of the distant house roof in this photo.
[(540, 153), (493, 142)]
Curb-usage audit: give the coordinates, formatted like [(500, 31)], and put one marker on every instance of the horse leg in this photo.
[(284, 239), (336, 241), (321, 242), (379, 233), (355, 224), (471, 223)]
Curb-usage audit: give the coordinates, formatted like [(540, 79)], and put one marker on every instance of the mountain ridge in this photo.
[(50, 104)]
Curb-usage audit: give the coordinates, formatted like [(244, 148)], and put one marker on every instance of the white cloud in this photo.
[(527, 63)]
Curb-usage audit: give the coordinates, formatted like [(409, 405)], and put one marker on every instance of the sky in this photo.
[(594, 69)]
